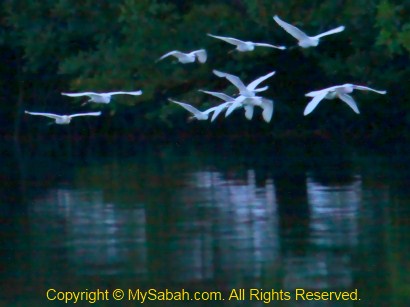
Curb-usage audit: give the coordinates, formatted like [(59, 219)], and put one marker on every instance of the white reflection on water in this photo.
[(333, 230), (238, 235), (96, 236), (213, 227), (334, 212)]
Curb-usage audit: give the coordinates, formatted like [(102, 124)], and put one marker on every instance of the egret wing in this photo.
[(248, 111), (233, 107), (314, 102), (188, 107), (229, 40), (86, 114), (251, 86), (350, 102), (218, 109), (233, 79), (219, 95), (201, 55), (79, 94), (269, 45), (267, 106), (292, 30), (134, 93), (333, 31), (50, 115), (365, 88), (235, 104), (175, 53), (327, 90), (261, 89)]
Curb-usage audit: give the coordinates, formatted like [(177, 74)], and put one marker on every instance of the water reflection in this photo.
[(334, 213), (333, 232), (177, 219), (92, 235), (238, 220)]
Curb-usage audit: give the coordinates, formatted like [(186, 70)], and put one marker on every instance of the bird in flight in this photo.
[(338, 91), (249, 90), (101, 97), (305, 41), (184, 58), (63, 119), (248, 103), (203, 115), (245, 46)]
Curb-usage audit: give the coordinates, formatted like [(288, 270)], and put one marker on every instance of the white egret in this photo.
[(184, 58), (101, 97), (245, 46), (63, 119), (248, 91), (265, 104), (247, 103), (220, 95), (218, 109), (202, 115), (338, 91), (305, 41)]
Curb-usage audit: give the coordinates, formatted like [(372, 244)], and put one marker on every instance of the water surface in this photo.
[(318, 217)]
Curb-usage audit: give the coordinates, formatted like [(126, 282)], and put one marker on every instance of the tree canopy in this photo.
[(53, 46)]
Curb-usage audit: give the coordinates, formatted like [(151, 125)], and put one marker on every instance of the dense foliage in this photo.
[(52, 46)]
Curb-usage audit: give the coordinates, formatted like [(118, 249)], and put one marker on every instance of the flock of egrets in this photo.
[(248, 94)]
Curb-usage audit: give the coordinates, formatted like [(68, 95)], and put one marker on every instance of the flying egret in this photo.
[(265, 104), (184, 58), (247, 103), (202, 115), (101, 97), (228, 102), (63, 119), (338, 91), (305, 41), (245, 46), (248, 91)]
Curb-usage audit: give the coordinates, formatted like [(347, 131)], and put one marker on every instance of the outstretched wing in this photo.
[(267, 106), (230, 40), (314, 102), (233, 79), (86, 114), (327, 90), (292, 30), (134, 93), (350, 101), (269, 45), (50, 115), (175, 53), (235, 104), (201, 55), (222, 96), (256, 82), (261, 89), (188, 107), (365, 88), (248, 111), (79, 94), (218, 109), (333, 31)]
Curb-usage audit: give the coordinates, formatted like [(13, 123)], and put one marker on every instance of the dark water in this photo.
[(320, 217)]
